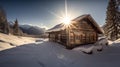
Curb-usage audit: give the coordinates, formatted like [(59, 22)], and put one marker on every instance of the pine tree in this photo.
[(118, 16), (112, 25), (16, 28)]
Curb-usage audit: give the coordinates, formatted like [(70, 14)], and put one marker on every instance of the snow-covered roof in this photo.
[(62, 26), (80, 17), (57, 28)]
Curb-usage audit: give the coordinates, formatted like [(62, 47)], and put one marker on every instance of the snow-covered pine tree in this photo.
[(118, 16), (112, 26)]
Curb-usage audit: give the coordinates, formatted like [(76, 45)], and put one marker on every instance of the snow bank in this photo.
[(89, 48), (102, 41), (9, 41), (85, 49), (110, 42), (117, 41), (4, 46)]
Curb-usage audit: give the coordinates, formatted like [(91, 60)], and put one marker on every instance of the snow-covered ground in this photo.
[(10, 41), (49, 54)]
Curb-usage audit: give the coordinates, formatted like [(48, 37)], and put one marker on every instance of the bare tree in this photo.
[(4, 27)]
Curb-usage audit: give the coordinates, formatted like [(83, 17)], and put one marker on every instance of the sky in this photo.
[(44, 13)]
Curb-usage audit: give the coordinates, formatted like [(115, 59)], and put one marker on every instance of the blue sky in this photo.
[(40, 12)]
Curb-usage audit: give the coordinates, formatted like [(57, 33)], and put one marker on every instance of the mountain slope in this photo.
[(32, 30)]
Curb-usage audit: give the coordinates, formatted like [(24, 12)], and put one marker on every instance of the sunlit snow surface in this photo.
[(11, 41), (49, 54)]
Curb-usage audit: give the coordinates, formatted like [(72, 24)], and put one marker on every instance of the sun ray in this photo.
[(56, 15), (66, 8), (65, 18)]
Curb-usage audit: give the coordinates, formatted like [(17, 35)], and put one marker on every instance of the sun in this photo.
[(65, 17), (66, 20)]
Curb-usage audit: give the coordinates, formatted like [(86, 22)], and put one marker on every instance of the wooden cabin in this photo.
[(82, 30)]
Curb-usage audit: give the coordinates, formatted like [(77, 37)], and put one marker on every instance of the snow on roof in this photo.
[(57, 28), (62, 26), (80, 17)]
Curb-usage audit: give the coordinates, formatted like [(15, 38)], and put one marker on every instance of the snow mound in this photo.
[(85, 49), (90, 48)]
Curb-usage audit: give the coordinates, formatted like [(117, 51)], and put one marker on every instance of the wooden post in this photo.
[(68, 37), (67, 40)]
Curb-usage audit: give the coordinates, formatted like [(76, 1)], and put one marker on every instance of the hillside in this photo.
[(32, 30), (10, 41)]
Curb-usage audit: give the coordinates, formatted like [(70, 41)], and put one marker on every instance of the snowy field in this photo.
[(49, 54), (11, 41)]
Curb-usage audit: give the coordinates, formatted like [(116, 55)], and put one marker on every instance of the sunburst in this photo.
[(66, 20), (66, 17)]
